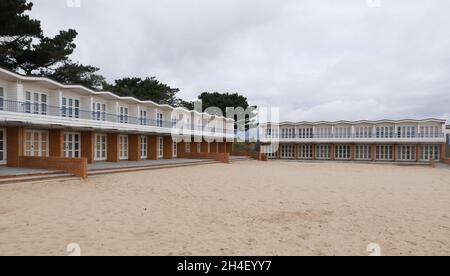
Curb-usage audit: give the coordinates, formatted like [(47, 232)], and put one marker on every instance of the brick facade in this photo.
[(134, 147), (113, 147), (56, 142), (15, 139), (168, 147), (88, 146)]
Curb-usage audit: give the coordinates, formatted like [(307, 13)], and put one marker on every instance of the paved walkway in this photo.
[(142, 163), (8, 171)]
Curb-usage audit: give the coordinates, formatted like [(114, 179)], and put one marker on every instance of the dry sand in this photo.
[(246, 208)]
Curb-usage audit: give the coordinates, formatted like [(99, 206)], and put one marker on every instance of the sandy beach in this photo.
[(245, 208)]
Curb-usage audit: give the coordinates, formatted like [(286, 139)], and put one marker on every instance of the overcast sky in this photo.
[(315, 59)]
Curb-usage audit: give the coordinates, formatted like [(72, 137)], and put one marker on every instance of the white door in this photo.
[(2, 146), (144, 147), (123, 146), (100, 147), (36, 143), (72, 145)]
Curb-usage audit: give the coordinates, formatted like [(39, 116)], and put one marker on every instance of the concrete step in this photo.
[(146, 168), (35, 177)]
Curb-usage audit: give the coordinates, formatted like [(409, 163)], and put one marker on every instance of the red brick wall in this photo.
[(214, 147), (56, 143), (76, 166), (229, 147), (15, 139), (182, 149), (168, 147), (87, 146), (134, 147), (204, 147), (444, 153), (221, 157), (152, 147), (113, 147), (222, 147)]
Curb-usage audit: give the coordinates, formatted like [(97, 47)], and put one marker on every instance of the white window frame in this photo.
[(342, 152), (3, 149), (188, 147), (70, 147), (160, 147), (406, 153), (99, 149), (36, 106), (287, 151), (70, 107), (363, 152), (2, 98), (431, 152), (98, 111), (123, 147), (40, 151), (323, 152), (175, 149), (306, 152), (144, 147), (384, 153), (124, 112), (143, 117), (159, 119)]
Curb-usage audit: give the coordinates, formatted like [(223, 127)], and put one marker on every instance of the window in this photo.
[(143, 117), (72, 145), (36, 143), (174, 122), (70, 108), (2, 98), (123, 147), (35, 103), (287, 151), (100, 147), (305, 152), (406, 132), (342, 152), (430, 152), (161, 147), (2, 146), (431, 131), (363, 152), (159, 119), (385, 132), (99, 111), (343, 132), (175, 149), (323, 152), (123, 115), (323, 132), (270, 150), (188, 147), (363, 132), (406, 153), (305, 133), (144, 147), (384, 152)]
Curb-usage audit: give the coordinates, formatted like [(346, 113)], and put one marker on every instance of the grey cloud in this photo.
[(315, 59)]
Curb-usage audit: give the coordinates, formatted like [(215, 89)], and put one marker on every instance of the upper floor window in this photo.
[(305, 133), (430, 131), (70, 108), (35, 103), (363, 132), (174, 122), (343, 132), (123, 115), (2, 98), (159, 119), (323, 132), (99, 111), (406, 132), (385, 132), (287, 133), (143, 117)]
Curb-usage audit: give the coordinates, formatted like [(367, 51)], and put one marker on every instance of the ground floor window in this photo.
[(144, 147), (100, 147), (305, 152), (287, 151), (123, 147), (363, 152), (36, 143), (2, 146), (175, 149), (430, 152), (72, 145), (160, 147), (406, 153), (188, 147), (384, 152), (323, 152), (270, 150), (342, 152)]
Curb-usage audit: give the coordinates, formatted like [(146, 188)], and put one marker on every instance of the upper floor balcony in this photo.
[(71, 115), (430, 137)]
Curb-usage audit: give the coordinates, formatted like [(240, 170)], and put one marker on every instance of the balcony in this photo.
[(372, 138), (43, 114)]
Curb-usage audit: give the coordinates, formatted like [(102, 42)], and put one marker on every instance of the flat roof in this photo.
[(385, 121)]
